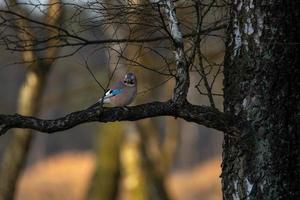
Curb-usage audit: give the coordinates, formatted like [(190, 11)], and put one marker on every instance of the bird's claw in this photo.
[(125, 108)]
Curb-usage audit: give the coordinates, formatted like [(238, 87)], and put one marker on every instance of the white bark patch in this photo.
[(245, 102), (261, 186), (175, 30), (259, 26), (235, 195), (237, 109), (178, 55), (174, 25), (251, 4), (248, 27), (245, 43), (239, 7), (237, 37), (250, 105), (249, 187)]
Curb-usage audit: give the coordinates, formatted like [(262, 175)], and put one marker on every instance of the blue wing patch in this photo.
[(113, 92), (110, 93)]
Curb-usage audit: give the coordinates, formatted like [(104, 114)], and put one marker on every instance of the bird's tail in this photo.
[(100, 101), (104, 100), (95, 104)]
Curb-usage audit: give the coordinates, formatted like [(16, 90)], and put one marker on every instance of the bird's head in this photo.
[(130, 79)]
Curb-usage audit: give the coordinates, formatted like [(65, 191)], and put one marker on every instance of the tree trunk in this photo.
[(262, 88), (30, 94), (105, 182), (17, 150)]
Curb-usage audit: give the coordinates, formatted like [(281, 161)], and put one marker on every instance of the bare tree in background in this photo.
[(30, 94), (260, 121)]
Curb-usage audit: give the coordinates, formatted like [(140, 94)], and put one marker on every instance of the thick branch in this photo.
[(182, 75), (202, 115)]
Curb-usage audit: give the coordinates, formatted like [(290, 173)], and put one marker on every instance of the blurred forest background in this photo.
[(126, 156)]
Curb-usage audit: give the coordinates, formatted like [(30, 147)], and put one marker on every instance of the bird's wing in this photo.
[(116, 88), (112, 93)]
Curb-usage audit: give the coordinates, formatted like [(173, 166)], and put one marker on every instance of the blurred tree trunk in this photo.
[(105, 182), (153, 157), (262, 86), (18, 147), (134, 178), (141, 178), (29, 100)]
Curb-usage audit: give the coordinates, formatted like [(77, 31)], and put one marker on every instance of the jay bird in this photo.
[(122, 92)]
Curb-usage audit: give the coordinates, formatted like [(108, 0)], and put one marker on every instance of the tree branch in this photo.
[(202, 115), (182, 68)]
